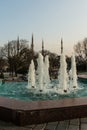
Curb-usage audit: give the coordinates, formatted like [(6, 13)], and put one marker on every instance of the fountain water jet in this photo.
[(43, 84), (31, 75), (73, 72), (40, 72), (63, 75), (46, 71)]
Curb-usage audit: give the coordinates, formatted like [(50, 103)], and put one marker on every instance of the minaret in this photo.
[(61, 45), (8, 49), (32, 46), (17, 44), (42, 47), (32, 42)]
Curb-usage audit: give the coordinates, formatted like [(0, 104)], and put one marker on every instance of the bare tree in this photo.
[(81, 51), (85, 50), (78, 49), (11, 51)]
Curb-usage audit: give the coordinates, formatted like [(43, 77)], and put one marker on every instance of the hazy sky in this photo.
[(46, 19)]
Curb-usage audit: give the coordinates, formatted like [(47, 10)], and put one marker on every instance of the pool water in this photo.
[(18, 90)]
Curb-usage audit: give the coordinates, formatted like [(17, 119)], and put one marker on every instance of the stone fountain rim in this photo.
[(41, 105), (26, 113)]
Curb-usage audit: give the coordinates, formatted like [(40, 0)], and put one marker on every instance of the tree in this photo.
[(25, 57), (85, 50), (81, 51), (11, 51), (3, 64), (78, 49)]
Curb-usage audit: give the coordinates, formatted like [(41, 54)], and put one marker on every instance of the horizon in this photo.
[(48, 20)]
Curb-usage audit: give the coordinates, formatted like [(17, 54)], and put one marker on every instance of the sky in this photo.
[(49, 20)]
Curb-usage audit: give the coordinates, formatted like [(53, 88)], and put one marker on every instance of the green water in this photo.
[(18, 90)]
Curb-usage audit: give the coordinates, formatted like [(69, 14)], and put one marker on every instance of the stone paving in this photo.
[(75, 124)]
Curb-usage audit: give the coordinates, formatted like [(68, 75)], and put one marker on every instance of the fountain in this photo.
[(43, 83), (38, 89), (40, 72), (73, 72), (31, 76), (63, 75), (46, 71)]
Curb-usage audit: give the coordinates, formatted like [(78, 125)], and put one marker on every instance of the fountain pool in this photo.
[(18, 90), (40, 87)]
